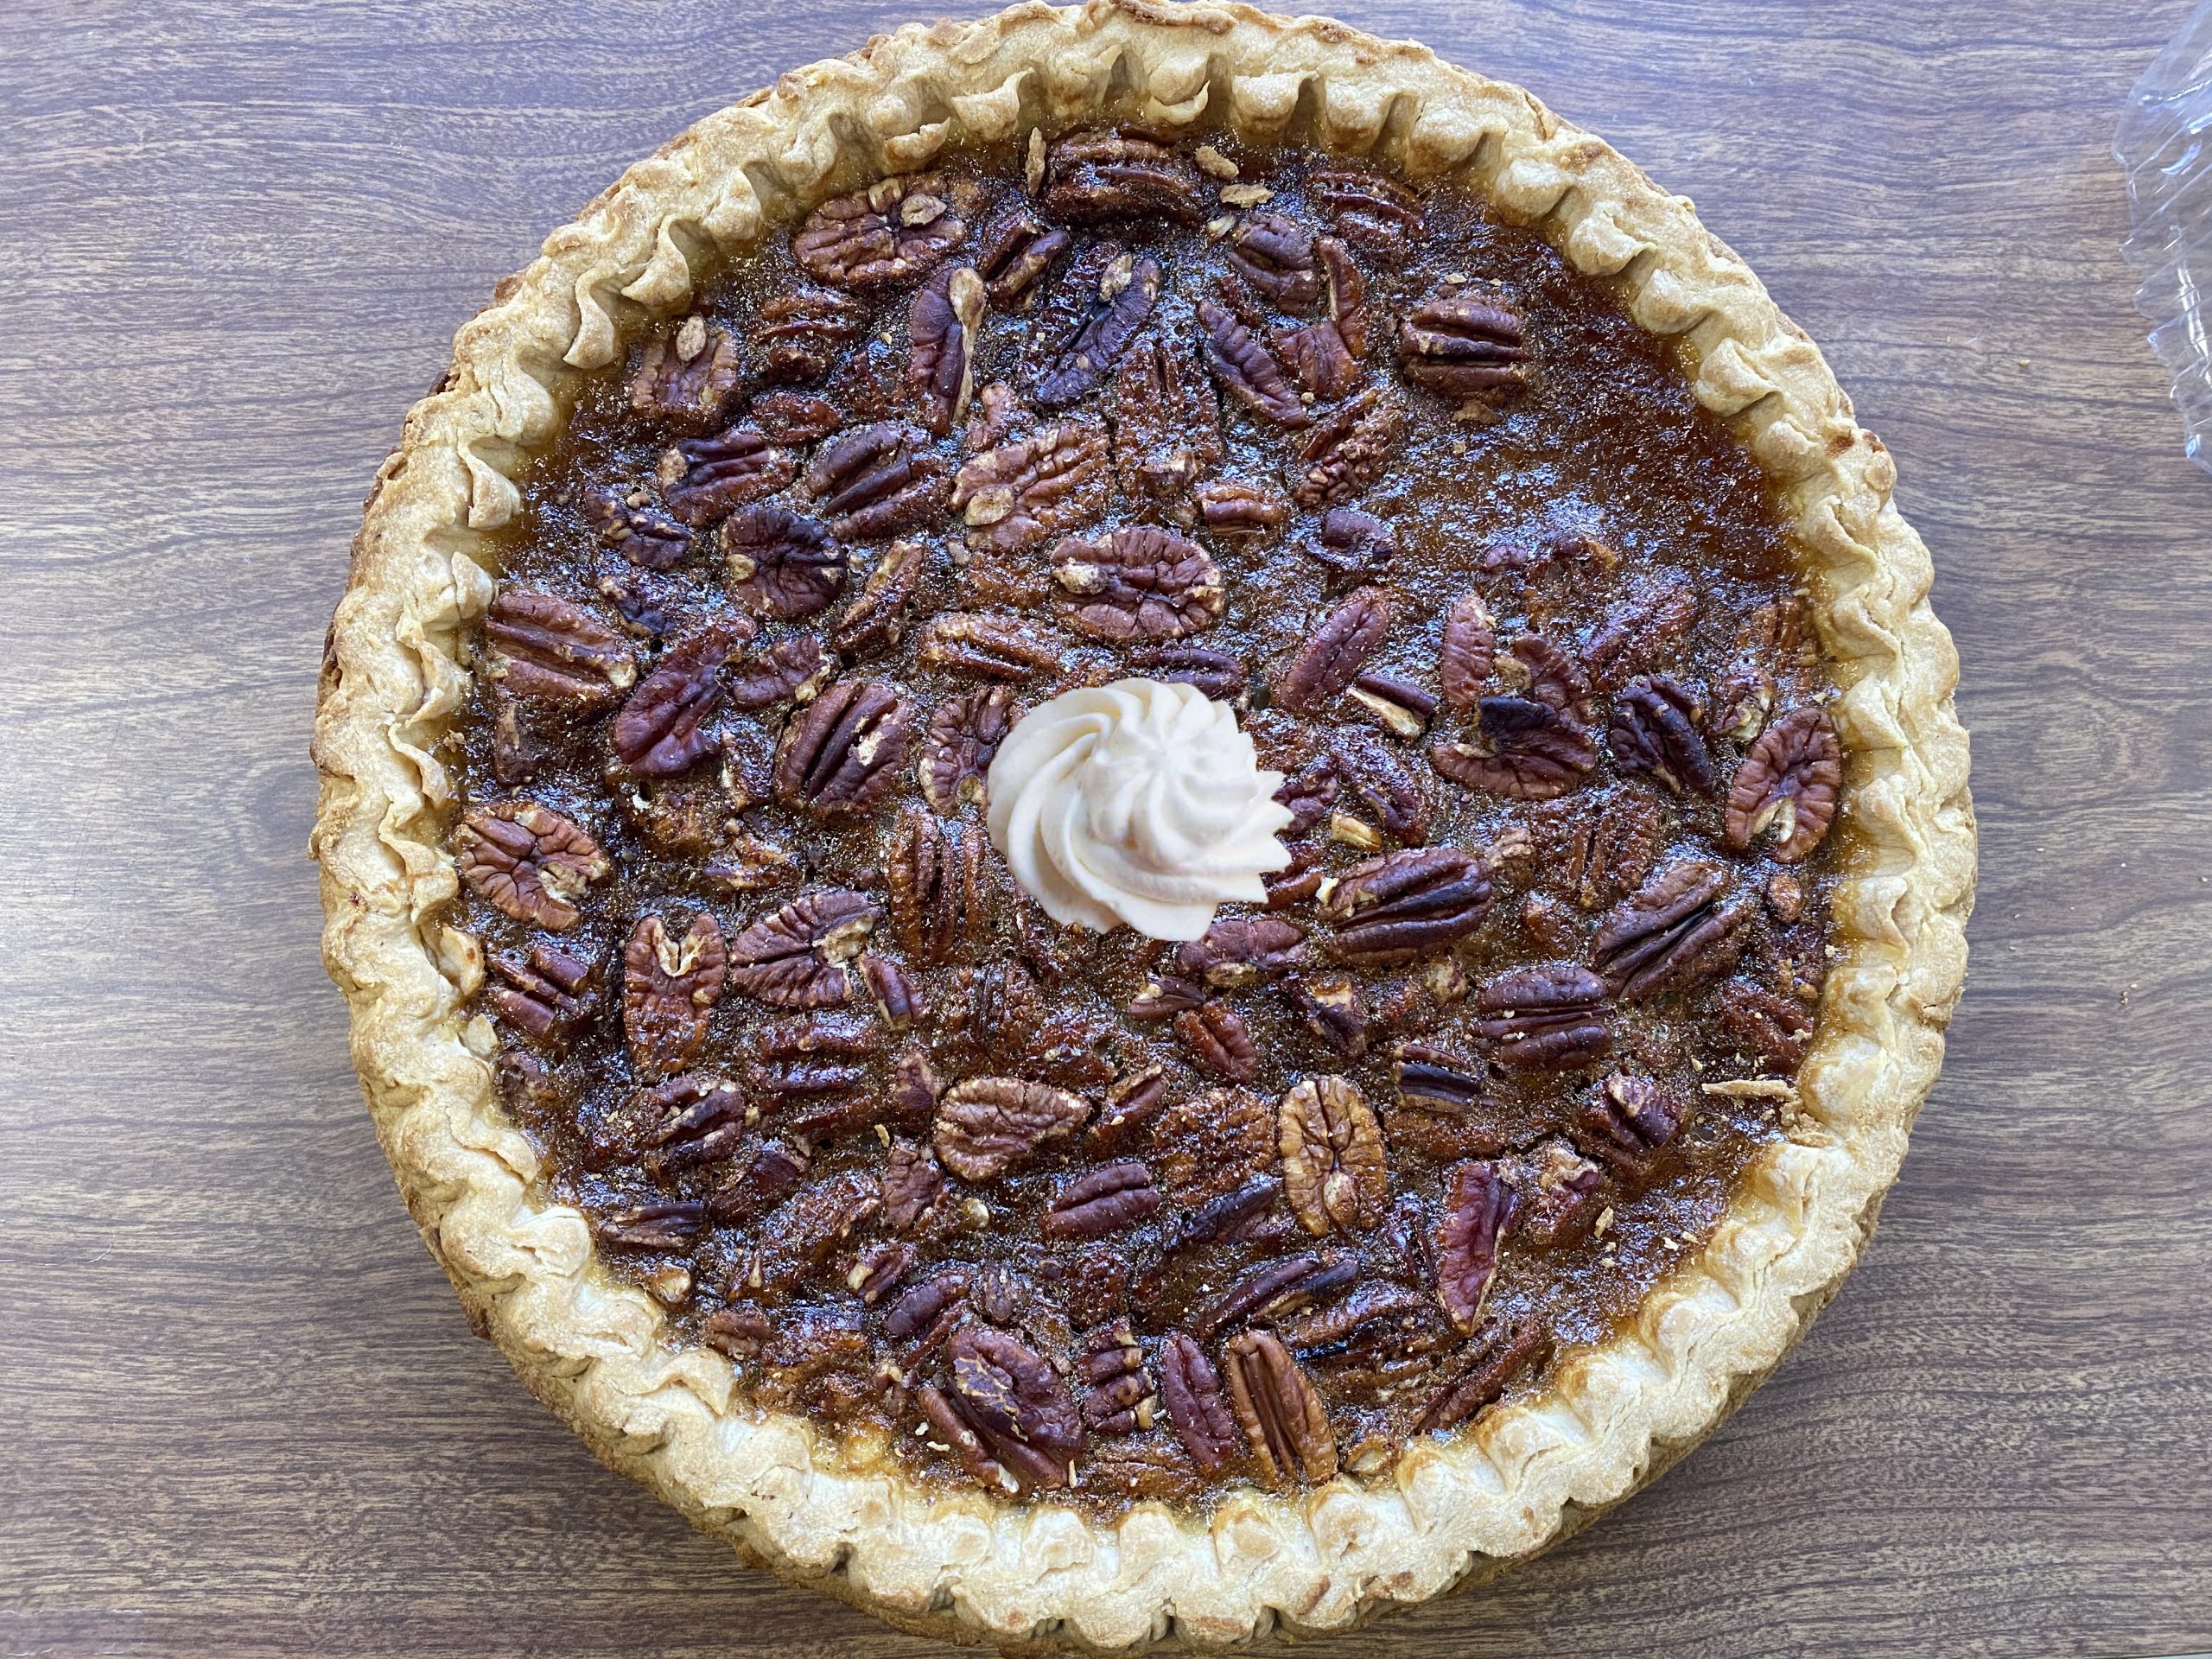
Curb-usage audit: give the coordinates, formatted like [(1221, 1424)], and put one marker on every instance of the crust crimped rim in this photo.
[(967, 1565)]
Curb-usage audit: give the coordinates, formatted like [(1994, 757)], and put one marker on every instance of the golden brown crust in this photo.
[(1042, 1574)]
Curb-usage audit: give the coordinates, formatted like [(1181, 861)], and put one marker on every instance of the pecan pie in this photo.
[(1084, 1283)]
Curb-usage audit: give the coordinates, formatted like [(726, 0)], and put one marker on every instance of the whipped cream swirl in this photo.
[(1140, 802)]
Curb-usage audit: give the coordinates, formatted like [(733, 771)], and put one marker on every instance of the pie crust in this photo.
[(1040, 1573)]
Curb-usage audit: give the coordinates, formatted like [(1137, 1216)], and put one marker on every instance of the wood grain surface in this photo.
[(240, 1412)]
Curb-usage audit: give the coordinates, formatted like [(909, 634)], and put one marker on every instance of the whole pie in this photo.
[(1142, 821)]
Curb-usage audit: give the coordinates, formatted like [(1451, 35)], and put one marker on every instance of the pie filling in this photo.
[(998, 1199)]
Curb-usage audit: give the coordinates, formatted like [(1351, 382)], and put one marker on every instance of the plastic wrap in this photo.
[(2164, 151)]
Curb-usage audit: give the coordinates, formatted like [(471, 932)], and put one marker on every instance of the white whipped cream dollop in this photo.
[(1139, 802)]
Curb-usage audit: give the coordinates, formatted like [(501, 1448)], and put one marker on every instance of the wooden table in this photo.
[(241, 1409)]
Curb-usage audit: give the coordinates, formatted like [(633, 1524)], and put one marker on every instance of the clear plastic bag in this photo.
[(2164, 151)]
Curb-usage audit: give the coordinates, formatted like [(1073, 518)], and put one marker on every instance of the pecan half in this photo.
[(1640, 629), (1216, 1035), (984, 646), (1463, 665), (1333, 1010), (1296, 881), (1464, 345), (985, 1126), (895, 229), (668, 986), (941, 329), (1310, 792), (935, 883), (648, 538), (1014, 253), (790, 670), (1655, 732), (664, 1224), (897, 997), (1562, 1190), (873, 620), (1334, 1171), (773, 1170), (1437, 1080), (1140, 583), (915, 1086), (1527, 751), (1355, 547), (1247, 370), (1234, 510), (845, 753), (1743, 696), (1630, 1120), (1777, 1031), (549, 995), (995, 1011), (1128, 288), (1479, 1211), (548, 651), (781, 562), (691, 1121), (703, 480), (692, 818), (740, 1330), (1337, 652), (912, 1186), (1166, 423), (876, 481), (1401, 904), (1020, 494), (1104, 1201), (1275, 255), (1544, 1018), (1240, 950), (955, 1436), (1401, 708), (1217, 673), (1597, 855), (688, 375), (818, 1218), (796, 957), (1117, 1397), (531, 862), (1790, 781), (1328, 1330), (878, 1270), (1204, 1146), (794, 417), (1677, 929), (1376, 212), (1192, 1390), (1347, 453), (662, 730), (1133, 1101), (1096, 176), (1016, 1401), (801, 335), (1393, 795), (1486, 1368), (961, 740), (649, 609), (1280, 1411)]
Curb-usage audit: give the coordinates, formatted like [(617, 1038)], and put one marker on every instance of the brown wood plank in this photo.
[(241, 1411)]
